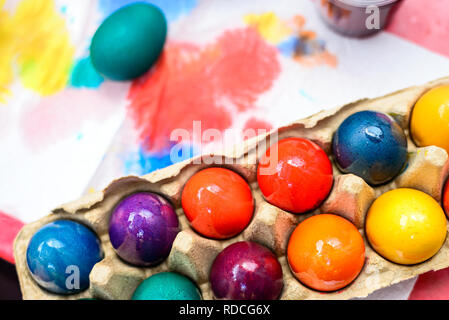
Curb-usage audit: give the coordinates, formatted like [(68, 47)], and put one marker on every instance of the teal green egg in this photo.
[(129, 41), (167, 286)]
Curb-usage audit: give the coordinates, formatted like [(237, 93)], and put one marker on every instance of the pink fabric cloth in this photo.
[(9, 229), (422, 22)]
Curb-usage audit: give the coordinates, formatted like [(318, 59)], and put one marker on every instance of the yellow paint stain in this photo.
[(269, 26), (275, 30), (6, 53), (35, 42), (91, 190)]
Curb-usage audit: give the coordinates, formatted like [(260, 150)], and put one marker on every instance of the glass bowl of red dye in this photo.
[(356, 18)]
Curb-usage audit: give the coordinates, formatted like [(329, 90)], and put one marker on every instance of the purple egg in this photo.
[(246, 271), (142, 228)]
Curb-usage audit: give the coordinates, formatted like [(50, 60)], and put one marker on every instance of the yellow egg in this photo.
[(406, 226), (429, 122)]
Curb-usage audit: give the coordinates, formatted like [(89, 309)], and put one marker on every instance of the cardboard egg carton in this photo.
[(193, 255)]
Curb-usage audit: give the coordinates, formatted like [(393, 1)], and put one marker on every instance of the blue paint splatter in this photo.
[(301, 46), (142, 162), (84, 75), (288, 47), (79, 136), (306, 95), (172, 9), (308, 47)]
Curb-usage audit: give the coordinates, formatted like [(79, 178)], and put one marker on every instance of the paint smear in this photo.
[(306, 48), (270, 27), (254, 126), (303, 93), (63, 114), (35, 40), (292, 39), (91, 190), (84, 75), (143, 162), (7, 52), (288, 47), (211, 84), (172, 9)]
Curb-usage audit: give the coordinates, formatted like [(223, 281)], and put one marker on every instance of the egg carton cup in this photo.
[(193, 255)]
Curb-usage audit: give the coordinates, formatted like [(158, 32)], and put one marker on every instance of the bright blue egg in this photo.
[(370, 145), (61, 255)]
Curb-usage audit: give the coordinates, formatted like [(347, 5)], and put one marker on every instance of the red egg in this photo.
[(295, 175), (218, 203)]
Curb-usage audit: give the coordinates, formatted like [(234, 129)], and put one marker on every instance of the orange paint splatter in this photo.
[(211, 84), (317, 59), (319, 55)]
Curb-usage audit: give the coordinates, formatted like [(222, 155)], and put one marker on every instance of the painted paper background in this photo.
[(233, 65)]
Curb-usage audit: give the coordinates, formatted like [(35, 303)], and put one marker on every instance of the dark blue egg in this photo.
[(370, 145), (61, 255)]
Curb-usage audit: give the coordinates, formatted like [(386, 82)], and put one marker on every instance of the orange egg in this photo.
[(218, 203), (326, 252)]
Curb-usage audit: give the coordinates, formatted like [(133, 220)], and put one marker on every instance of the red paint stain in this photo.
[(61, 116), (211, 83), (9, 227), (423, 22), (254, 127), (433, 285)]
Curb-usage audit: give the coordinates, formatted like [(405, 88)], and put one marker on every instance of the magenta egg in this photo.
[(246, 271)]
